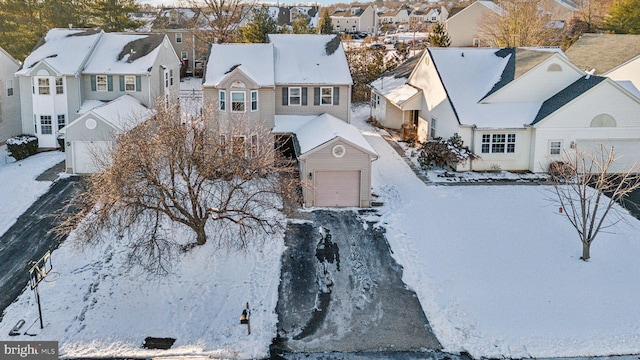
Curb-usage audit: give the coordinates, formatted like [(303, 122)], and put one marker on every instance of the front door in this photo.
[(45, 131)]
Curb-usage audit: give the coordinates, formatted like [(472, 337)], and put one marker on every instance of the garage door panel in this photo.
[(627, 152), (85, 153), (337, 188)]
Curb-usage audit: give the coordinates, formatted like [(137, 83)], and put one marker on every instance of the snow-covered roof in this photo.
[(123, 113), (87, 105), (309, 59), (468, 75), (124, 53), (393, 84), (286, 59), (313, 131), (254, 60), (63, 50)]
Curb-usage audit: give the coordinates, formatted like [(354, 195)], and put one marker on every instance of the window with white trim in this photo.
[(178, 38), (326, 96), (254, 146), (238, 101), (555, 147), (374, 100), (498, 143), (43, 86), (46, 127), (432, 128), (222, 100), (238, 145), (101, 82), (61, 121), (223, 144), (9, 87), (59, 85), (183, 55), (254, 100), (295, 96), (129, 83)]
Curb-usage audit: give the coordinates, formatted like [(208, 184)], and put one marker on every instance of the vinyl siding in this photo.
[(323, 160), (341, 111)]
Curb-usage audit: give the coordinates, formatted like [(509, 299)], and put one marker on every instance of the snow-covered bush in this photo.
[(439, 153), (22, 146)]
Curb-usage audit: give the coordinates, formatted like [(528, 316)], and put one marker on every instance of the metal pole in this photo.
[(39, 307)]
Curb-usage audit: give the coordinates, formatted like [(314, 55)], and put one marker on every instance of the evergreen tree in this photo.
[(21, 26), (257, 29), (63, 13), (326, 27), (624, 17), (439, 36), (301, 25), (114, 15)]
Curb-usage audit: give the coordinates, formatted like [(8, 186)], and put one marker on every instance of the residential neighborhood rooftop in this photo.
[(603, 52)]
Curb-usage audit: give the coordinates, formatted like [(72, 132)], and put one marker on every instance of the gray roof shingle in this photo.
[(566, 95)]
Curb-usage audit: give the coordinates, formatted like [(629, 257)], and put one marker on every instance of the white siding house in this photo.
[(519, 109), (75, 70), (10, 122)]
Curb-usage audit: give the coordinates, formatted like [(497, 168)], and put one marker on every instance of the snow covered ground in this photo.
[(95, 307), (497, 269), (19, 186)]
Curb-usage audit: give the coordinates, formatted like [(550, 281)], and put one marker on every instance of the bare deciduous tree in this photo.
[(223, 18), (587, 191), (166, 173), (519, 23)]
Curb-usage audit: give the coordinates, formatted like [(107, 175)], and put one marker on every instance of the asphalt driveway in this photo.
[(341, 291), (29, 239)]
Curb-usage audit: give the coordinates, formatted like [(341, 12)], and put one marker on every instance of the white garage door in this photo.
[(627, 152), (85, 153), (337, 188)]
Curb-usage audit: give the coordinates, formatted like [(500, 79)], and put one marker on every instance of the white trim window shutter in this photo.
[(285, 96), (304, 96), (93, 83), (316, 96), (110, 82), (138, 83), (121, 82), (336, 95)]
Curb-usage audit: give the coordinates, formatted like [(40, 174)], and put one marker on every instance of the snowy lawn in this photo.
[(19, 185), (497, 269), (95, 308)]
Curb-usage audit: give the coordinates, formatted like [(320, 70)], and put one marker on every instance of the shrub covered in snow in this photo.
[(22, 146), (439, 153)]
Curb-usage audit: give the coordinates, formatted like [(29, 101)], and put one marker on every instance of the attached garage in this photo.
[(90, 137), (627, 152), (334, 159), (89, 155), (337, 188)]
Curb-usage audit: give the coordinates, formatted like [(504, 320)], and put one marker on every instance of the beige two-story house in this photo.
[(296, 85)]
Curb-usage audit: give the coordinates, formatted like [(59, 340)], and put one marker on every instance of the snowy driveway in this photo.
[(342, 291), (29, 238)]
